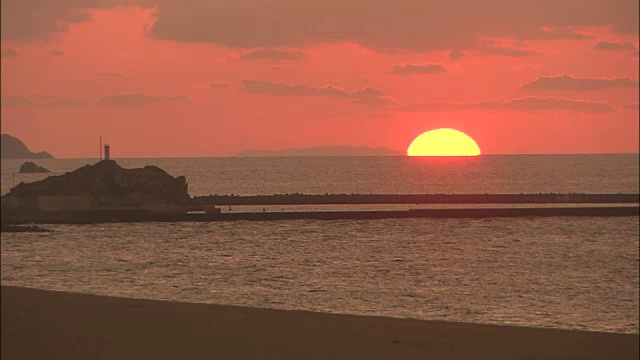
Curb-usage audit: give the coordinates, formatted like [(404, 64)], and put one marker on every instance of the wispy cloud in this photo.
[(632, 106), (616, 46), (272, 54), (41, 101), (56, 52), (218, 85), (364, 96), (567, 83), (456, 54), (111, 75), (554, 34), (489, 48), (527, 104), (8, 52), (411, 69), (138, 99)]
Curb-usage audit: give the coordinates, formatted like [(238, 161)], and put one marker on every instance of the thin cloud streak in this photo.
[(526, 104), (615, 46), (40, 101), (272, 54), (420, 69), (138, 99), (218, 85), (111, 75), (570, 83), (365, 96), (8, 52)]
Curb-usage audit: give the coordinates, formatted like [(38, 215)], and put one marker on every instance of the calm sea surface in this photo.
[(570, 273)]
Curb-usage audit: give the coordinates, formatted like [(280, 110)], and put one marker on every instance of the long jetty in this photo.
[(357, 199)]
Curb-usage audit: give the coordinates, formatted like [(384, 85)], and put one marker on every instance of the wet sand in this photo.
[(39, 324)]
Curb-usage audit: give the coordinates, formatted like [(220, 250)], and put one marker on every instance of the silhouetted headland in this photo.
[(14, 148), (106, 192)]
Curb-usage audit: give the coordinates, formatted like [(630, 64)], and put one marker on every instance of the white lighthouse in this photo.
[(106, 152)]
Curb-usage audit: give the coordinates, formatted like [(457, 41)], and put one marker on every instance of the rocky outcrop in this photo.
[(108, 185), (30, 168), (22, 228), (14, 148)]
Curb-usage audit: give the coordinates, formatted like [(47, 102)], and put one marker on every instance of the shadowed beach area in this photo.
[(38, 324)]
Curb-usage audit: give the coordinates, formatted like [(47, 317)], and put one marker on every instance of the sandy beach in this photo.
[(39, 324)]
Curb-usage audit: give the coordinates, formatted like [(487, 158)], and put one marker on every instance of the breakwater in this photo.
[(88, 217), (327, 199), (433, 213)]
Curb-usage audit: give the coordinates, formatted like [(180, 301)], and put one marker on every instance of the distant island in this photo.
[(324, 151), (14, 148), (31, 168)]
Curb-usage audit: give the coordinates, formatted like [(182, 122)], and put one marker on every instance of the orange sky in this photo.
[(207, 78)]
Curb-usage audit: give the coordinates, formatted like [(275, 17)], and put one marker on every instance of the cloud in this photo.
[(272, 54), (456, 54), (373, 101), (8, 52), (489, 49), (555, 34), (364, 96), (137, 99), (409, 69), (527, 67), (527, 104), (568, 83), (416, 25), (111, 75), (41, 101), (28, 20), (616, 45), (633, 106), (218, 85), (56, 53)]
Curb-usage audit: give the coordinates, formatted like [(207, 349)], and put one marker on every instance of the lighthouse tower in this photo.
[(107, 153)]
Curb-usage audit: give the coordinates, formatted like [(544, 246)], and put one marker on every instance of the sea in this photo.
[(576, 273)]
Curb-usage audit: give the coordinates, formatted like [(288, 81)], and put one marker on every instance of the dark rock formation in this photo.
[(106, 183), (13, 148), (22, 228), (30, 168)]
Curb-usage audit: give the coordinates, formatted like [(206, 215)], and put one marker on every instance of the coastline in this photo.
[(38, 323)]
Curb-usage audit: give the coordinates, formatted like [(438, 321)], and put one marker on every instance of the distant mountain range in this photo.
[(324, 151), (14, 148)]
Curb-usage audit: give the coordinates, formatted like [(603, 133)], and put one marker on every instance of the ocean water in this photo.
[(379, 175), (569, 273)]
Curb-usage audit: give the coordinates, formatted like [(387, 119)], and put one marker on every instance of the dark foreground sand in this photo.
[(40, 324)]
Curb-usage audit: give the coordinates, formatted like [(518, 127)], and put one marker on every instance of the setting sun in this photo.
[(443, 142)]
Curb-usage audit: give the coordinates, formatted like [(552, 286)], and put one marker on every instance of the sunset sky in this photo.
[(214, 78)]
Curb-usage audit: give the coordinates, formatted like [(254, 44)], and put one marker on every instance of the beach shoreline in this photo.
[(41, 323)]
